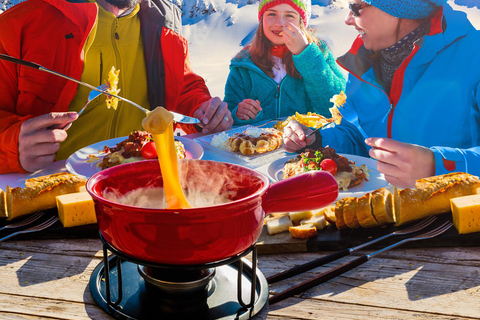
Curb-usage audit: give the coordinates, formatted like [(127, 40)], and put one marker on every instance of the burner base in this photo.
[(138, 302)]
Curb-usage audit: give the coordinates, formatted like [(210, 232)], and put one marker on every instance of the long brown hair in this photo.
[(259, 50)]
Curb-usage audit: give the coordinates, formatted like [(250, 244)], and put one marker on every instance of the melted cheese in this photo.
[(76, 209), (466, 213)]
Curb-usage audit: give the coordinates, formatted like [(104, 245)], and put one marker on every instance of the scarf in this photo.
[(279, 50)]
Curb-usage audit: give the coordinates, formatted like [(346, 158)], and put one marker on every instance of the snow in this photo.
[(217, 29)]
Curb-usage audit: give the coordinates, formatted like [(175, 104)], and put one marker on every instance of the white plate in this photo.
[(376, 180), (248, 157), (77, 162)]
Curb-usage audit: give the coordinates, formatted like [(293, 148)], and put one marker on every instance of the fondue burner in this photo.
[(128, 288)]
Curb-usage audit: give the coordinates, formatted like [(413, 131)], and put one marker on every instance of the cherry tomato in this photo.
[(329, 165), (149, 151)]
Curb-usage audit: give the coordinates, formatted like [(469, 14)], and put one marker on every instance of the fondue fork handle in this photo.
[(345, 252), (332, 273)]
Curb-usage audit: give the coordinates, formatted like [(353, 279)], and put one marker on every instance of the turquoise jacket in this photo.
[(321, 79), (434, 100)]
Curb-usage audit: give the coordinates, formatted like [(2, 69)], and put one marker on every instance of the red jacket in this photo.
[(52, 33)]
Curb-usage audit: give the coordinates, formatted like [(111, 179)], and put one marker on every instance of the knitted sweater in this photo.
[(321, 79)]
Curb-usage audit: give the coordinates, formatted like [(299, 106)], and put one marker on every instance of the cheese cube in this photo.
[(76, 209), (318, 221), (301, 215), (466, 213), (279, 224)]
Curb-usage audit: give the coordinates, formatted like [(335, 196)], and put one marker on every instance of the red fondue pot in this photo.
[(205, 234)]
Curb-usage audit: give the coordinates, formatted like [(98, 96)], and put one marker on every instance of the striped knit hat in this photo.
[(408, 9), (303, 7)]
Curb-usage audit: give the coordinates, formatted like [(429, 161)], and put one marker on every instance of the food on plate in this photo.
[(139, 145), (112, 82), (311, 120), (249, 141), (314, 120), (346, 172), (432, 196), (466, 213), (40, 193), (76, 209), (303, 231)]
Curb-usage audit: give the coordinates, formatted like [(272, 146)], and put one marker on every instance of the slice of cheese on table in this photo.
[(76, 209), (466, 213), (278, 224)]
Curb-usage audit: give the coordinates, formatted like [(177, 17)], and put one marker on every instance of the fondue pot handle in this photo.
[(307, 191)]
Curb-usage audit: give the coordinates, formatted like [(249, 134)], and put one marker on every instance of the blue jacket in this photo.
[(434, 100), (321, 79)]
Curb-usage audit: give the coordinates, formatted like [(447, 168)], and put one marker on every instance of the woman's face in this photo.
[(377, 28), (277, 18)]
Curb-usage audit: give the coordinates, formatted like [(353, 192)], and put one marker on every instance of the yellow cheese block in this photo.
[(76, 209), (466, 213)]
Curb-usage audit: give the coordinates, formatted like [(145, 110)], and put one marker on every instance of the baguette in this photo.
[(432, 196), (3, 205), (339, 221), (40, 193), (350, 213)]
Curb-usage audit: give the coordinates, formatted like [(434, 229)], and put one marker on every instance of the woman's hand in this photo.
[(294, 38), (402, 163), (248, 109), (40, 137), (295, 136)]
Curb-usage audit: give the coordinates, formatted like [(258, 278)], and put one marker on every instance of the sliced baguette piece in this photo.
[(40, 193), (329, 213), (432, 196), (278, 224), (382, 206), (365, 216), (339, 222), (303, 231), (350, 213)]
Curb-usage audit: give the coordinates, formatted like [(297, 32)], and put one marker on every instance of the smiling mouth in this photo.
[(277, 33)]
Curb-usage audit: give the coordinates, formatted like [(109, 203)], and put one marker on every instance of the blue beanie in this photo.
[(408, 9)]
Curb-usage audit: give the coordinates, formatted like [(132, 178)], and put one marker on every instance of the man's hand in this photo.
[(294, 136), (214, 116), (248, 109), (40, 139), (294, 38), (402, 163)]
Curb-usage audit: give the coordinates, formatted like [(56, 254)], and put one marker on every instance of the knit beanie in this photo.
[(408, 9), (303, 7)]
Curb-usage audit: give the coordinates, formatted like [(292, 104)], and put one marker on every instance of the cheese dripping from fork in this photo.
[(159, 123)]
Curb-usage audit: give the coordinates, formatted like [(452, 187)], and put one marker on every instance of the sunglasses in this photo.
[(356, 7)]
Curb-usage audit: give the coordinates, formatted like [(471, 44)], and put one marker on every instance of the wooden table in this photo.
[(48, 279)]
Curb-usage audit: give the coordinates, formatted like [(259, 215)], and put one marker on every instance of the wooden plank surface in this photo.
[(48, 279)]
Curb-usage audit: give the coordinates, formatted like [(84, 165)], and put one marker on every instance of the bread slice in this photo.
[(432, 195), (350, 213), (365, 216), (339, 221), (40, 193), (329, 214), (3, 204), (382, 206), (303, 231)]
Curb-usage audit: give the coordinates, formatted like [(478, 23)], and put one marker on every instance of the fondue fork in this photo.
[(345, 252), (310, 283), (42, 226), (24, 222), (177, 117)]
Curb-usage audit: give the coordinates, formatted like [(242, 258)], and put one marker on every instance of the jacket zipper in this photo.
[(277, 99)]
